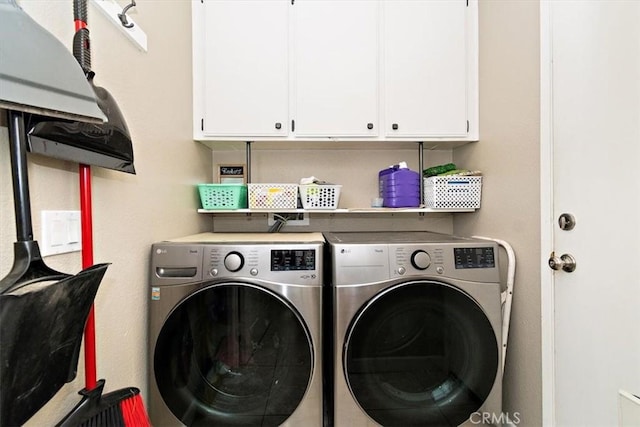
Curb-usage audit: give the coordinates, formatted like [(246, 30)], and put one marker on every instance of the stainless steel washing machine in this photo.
[(416, 331), (235, 330)]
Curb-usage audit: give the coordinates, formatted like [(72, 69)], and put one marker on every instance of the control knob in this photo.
[(233, 261), (420, 260)]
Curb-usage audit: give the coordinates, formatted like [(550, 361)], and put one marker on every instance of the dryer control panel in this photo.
[(480, 257), (368, 258), (476, 262)]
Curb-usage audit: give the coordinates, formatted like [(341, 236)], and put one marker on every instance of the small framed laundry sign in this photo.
[(232, 174)]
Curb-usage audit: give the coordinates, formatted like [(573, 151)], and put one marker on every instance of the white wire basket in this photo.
[(453, 192), (320, 196), (273, 196)]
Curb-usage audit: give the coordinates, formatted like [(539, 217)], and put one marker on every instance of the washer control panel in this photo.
[(293, 259), (294, 263)]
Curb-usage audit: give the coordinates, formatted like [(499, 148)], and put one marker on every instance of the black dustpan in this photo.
[(41, 327), (105, 144), (42, 311)]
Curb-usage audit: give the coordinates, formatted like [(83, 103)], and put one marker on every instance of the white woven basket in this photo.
[(453, 192), (320, 196), (273, 196)]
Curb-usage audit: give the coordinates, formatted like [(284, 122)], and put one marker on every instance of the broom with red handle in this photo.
[(123, 407)]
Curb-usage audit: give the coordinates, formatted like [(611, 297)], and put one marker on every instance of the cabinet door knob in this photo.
[(369, 125), (278, 125), (394, 126)]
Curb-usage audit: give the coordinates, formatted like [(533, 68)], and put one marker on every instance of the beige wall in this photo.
[(508, 153), (130, 212)]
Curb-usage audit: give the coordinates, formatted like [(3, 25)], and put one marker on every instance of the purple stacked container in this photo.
[(399, 187)]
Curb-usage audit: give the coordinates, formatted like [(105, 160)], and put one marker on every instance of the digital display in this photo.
[(293, 259), (474, 257)]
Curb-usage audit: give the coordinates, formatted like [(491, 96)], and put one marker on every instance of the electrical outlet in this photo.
[(293, 218)]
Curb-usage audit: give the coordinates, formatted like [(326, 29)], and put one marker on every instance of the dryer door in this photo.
[(421, 353), (233, 354)]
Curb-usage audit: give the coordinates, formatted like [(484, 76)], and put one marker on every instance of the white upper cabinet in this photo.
[(245, 62), (335, 68), (425, 68), (314, 70)]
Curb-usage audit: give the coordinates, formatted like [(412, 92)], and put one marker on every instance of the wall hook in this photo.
[(123, 16)]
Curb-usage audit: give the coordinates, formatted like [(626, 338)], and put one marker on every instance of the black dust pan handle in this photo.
[(28, 265)]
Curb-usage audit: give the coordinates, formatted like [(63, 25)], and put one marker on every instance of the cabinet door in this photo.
[(425, 68), (336, 68), (246, 68)]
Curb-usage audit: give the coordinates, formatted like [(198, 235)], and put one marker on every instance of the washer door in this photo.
[(233, 354), (421, 353)]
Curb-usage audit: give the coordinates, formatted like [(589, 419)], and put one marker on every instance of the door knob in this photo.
[(566, 262)]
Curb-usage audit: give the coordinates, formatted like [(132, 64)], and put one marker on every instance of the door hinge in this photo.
[(293, 125)]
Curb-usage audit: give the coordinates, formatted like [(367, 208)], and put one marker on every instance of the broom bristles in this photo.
[(134, 412), (120, 408)]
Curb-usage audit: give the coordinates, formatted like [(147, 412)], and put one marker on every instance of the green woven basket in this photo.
[(223, 196)]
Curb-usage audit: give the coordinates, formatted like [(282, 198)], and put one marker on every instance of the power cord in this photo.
[(280, 221)]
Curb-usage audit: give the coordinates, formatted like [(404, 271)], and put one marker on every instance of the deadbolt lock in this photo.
[(566, 221), (566, 262)]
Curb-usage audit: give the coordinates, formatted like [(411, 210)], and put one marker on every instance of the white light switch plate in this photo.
[(60, 232)]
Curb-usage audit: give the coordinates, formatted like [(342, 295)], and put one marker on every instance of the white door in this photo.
[(425, 68), (245, 67), (591, 149), (336, 68)]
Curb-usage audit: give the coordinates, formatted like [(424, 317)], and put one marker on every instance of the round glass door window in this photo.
[(233, 354), (421, 354)]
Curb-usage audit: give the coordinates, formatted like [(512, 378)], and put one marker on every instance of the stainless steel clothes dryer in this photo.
[(417, 329), (235, 330)]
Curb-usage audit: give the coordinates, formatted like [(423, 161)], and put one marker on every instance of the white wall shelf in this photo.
[(335, 211)]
